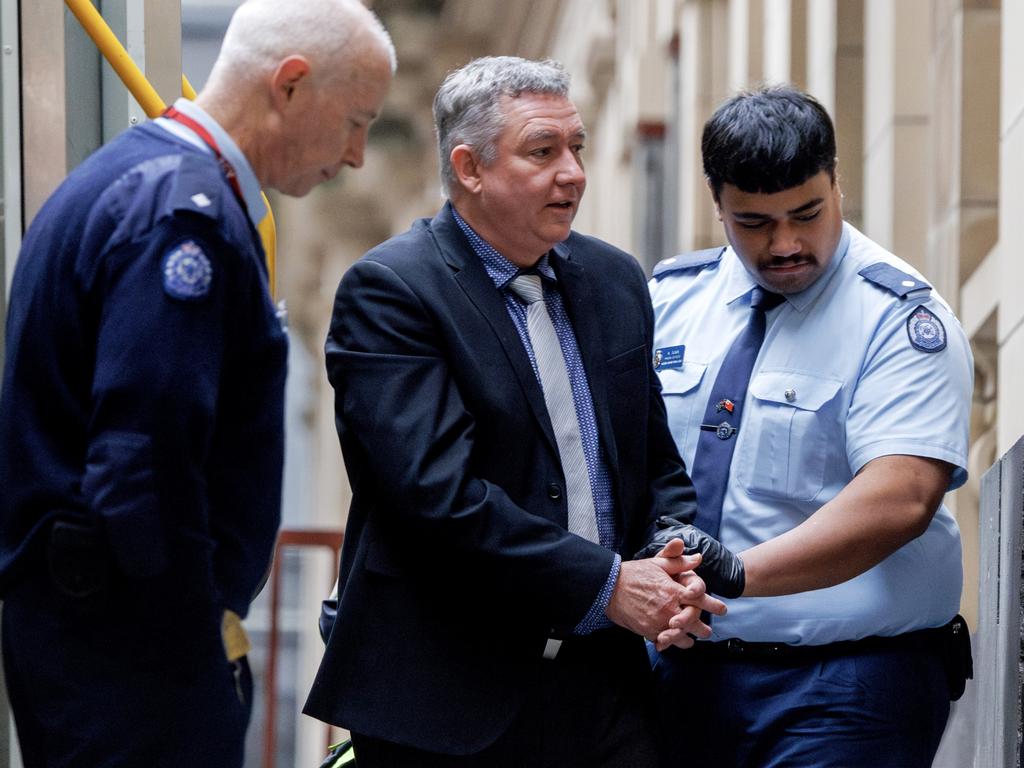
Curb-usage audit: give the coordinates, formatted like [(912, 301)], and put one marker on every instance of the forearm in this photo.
[(889, 503)]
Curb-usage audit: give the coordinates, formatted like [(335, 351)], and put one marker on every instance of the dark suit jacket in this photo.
[(457, 564)]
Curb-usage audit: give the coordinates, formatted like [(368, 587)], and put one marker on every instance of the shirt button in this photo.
[(790, 395), (554, 491)]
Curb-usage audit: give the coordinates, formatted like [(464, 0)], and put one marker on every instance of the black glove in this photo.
[(721, 570)]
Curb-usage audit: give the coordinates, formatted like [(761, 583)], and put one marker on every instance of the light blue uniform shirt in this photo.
[(838, 382)]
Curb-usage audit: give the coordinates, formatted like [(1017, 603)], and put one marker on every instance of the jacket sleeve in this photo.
[(672, 494), (154, 393)]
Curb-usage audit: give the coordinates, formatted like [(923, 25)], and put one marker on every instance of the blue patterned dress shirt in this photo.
[(502, 272)]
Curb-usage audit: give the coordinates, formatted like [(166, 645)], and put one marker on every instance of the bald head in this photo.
[(332, 34), (297, 84)]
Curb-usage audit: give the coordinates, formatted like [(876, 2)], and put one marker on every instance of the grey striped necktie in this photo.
[(554, 379)]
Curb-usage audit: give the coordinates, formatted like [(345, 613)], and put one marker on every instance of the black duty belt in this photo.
[(740, 650)]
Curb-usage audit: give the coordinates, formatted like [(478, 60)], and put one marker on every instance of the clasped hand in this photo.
[(662, 598)]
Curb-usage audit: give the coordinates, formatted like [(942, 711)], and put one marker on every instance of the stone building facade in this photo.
[(928, 100)]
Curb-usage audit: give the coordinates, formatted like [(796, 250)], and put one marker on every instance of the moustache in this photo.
[(790, 261)]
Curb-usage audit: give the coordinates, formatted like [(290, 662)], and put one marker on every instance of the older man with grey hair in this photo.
[(141, 415), (507, 449)]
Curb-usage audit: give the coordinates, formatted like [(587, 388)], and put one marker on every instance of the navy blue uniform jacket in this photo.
[(159, 417), (457, 564)]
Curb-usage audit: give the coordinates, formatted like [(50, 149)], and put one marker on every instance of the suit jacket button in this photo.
[(554, 492)]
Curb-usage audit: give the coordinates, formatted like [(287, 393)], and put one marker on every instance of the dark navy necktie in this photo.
[(723, 413)]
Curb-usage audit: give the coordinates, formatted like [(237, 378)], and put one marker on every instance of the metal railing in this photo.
[(320, 539)]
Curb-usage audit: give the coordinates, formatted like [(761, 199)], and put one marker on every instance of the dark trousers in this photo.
[(127, 680), (587, 710), (877, 709)]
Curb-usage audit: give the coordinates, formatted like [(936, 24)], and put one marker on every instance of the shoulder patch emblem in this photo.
[(187, 272), (926, 331)]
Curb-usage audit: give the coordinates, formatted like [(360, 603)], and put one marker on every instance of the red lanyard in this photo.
[(229, 170)]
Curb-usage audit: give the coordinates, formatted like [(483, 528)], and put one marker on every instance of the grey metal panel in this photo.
[(117, 106), (43, 103), (10, 220), (1008, 639), (998, 655), (13, 210), (985, 651), (82, 104), (1011, 516), (10, 156)]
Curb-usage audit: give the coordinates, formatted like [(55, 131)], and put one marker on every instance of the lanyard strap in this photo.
[(229, 170)]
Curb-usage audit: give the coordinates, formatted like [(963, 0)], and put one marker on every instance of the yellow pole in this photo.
[(147, 97), (186, 88)]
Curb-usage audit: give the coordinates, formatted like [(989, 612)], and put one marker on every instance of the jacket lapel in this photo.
[(578, 298), (472, 277)]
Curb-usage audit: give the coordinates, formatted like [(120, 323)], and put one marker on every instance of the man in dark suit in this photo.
[(504, 449)]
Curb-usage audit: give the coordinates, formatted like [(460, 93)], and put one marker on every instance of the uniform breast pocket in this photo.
[(680, 388), (793, 432)]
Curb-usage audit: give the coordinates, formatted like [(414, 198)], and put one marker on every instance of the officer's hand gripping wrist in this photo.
[(721, 570)]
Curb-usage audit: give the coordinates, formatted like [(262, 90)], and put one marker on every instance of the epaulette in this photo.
[(894, 280), (196, 188), (689, 260)]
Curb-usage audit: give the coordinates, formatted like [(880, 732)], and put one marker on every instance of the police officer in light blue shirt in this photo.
[(851, 428)]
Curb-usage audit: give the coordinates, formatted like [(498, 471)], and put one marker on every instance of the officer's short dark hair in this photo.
[(767, 140)]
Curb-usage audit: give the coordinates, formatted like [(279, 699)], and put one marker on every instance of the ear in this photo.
[(466, 167), (837, 187), (292, 72), (714, 198)]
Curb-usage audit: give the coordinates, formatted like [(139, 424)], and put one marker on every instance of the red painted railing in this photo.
[(327, 539)]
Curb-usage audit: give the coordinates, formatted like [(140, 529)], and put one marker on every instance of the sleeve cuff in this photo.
[(910, 447), (595, 618)]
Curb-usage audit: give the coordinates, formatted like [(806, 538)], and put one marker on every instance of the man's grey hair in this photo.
[(468, 107), (264, 32)]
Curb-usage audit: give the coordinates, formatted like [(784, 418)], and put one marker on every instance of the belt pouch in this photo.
[(956, 656)]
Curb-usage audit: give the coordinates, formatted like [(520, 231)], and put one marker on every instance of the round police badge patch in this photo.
[(926, 331), (187, 272)]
